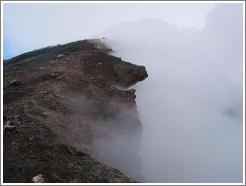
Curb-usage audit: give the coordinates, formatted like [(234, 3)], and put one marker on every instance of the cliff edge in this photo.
[(70, 117)]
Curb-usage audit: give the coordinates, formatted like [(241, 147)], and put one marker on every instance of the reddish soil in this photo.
[(62, 108)]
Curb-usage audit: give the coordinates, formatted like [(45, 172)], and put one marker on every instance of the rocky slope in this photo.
[(69, 117)]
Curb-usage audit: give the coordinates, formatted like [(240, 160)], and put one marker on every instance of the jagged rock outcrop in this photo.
[(66, 117)]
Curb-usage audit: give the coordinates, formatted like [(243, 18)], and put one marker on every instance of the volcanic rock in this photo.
[(74, 124)]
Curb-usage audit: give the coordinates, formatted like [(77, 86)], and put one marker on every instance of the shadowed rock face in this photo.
[(128, 75), (66, 120)]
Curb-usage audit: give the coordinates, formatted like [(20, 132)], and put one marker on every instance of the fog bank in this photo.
[(191, 105)]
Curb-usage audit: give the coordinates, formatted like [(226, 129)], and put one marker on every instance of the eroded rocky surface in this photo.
[(67, 120)]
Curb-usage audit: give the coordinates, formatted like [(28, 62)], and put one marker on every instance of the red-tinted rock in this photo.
[(69, 97)]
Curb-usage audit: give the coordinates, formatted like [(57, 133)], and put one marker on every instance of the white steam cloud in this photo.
[(191, 104)]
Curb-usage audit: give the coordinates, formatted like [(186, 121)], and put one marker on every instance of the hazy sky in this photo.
[(31, 26)]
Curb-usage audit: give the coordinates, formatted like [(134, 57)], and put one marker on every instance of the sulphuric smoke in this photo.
[(191, 105)]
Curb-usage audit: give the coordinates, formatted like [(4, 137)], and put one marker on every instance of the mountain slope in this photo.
[(64, 112)]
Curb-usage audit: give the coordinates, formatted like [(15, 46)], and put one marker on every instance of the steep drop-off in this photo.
[(69, 117)]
